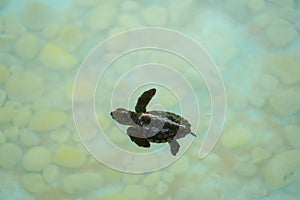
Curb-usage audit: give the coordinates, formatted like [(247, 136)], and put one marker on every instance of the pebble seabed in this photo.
[(254, 43)]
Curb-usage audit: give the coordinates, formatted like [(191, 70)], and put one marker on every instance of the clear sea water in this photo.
[(231, 68)]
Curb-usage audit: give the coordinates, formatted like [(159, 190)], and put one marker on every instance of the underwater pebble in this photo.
[(86, 3), (256, 188), (236, 137), (2, 3), (84, 91), (7, 43), (68, 156), (82, 182), (283, 169), (292, 135), (10, 155), (280, 33), (161, 187), (114, 196), (54, 57), (4, 73), (259, 22), (181, 166), (60, 136), (22, 117), (211, 158), (151, 179), (127, 22), (2, 96), (28, 138), (2, 138), (33, 182), (267, 84), (6, 113), (207, 193), (286, 68), (27, 46), (36, 15), (44, 120), (24, 87), (130, 179), (168, 177), (257, 101), (129, 6), (11, 133), (285, 102), (50, 173), (101, 18), (259, 154), (246, 169), (287, 3), (51, 30), (177, 7), (12, 25), (256, 5), (70, 37), (155, 16), (136, 192), (36, 158)]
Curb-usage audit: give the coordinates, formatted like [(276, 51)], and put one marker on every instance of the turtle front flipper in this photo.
[(174, 147), (136, 135), (143, 100)]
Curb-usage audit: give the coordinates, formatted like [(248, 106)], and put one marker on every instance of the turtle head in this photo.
[(122, 116)]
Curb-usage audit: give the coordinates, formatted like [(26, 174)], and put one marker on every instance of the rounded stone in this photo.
[(259, 154), (70, 37), (236, 137), (28, 138), (168, 177), (136, 192), (33, 183), (285, 102), (10, 155), (82, 182), (151, 179), (54, 57), (246, 169), (101, 18), (2, 138), (71, 157), (24, 87), (36, 159), (4, 73), (256, 5), (286, 68), (50, 173), (283, 169), (36, 15), (44, 120), (292, 135), (11, 133), (280, 33), (181, 166), (22, 117), (6, 113), (27, 46), (161, 188), (155, 16)]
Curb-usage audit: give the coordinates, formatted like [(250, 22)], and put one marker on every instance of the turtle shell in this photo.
[(161, 127)]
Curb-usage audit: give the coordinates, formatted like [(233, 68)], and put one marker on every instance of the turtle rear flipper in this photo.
[(174, 147), (137, 136), (143, 100)]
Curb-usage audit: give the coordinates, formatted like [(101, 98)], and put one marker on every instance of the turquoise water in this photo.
[(49, 148)]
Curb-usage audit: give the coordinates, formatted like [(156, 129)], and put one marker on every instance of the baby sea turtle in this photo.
[(152, 126)]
